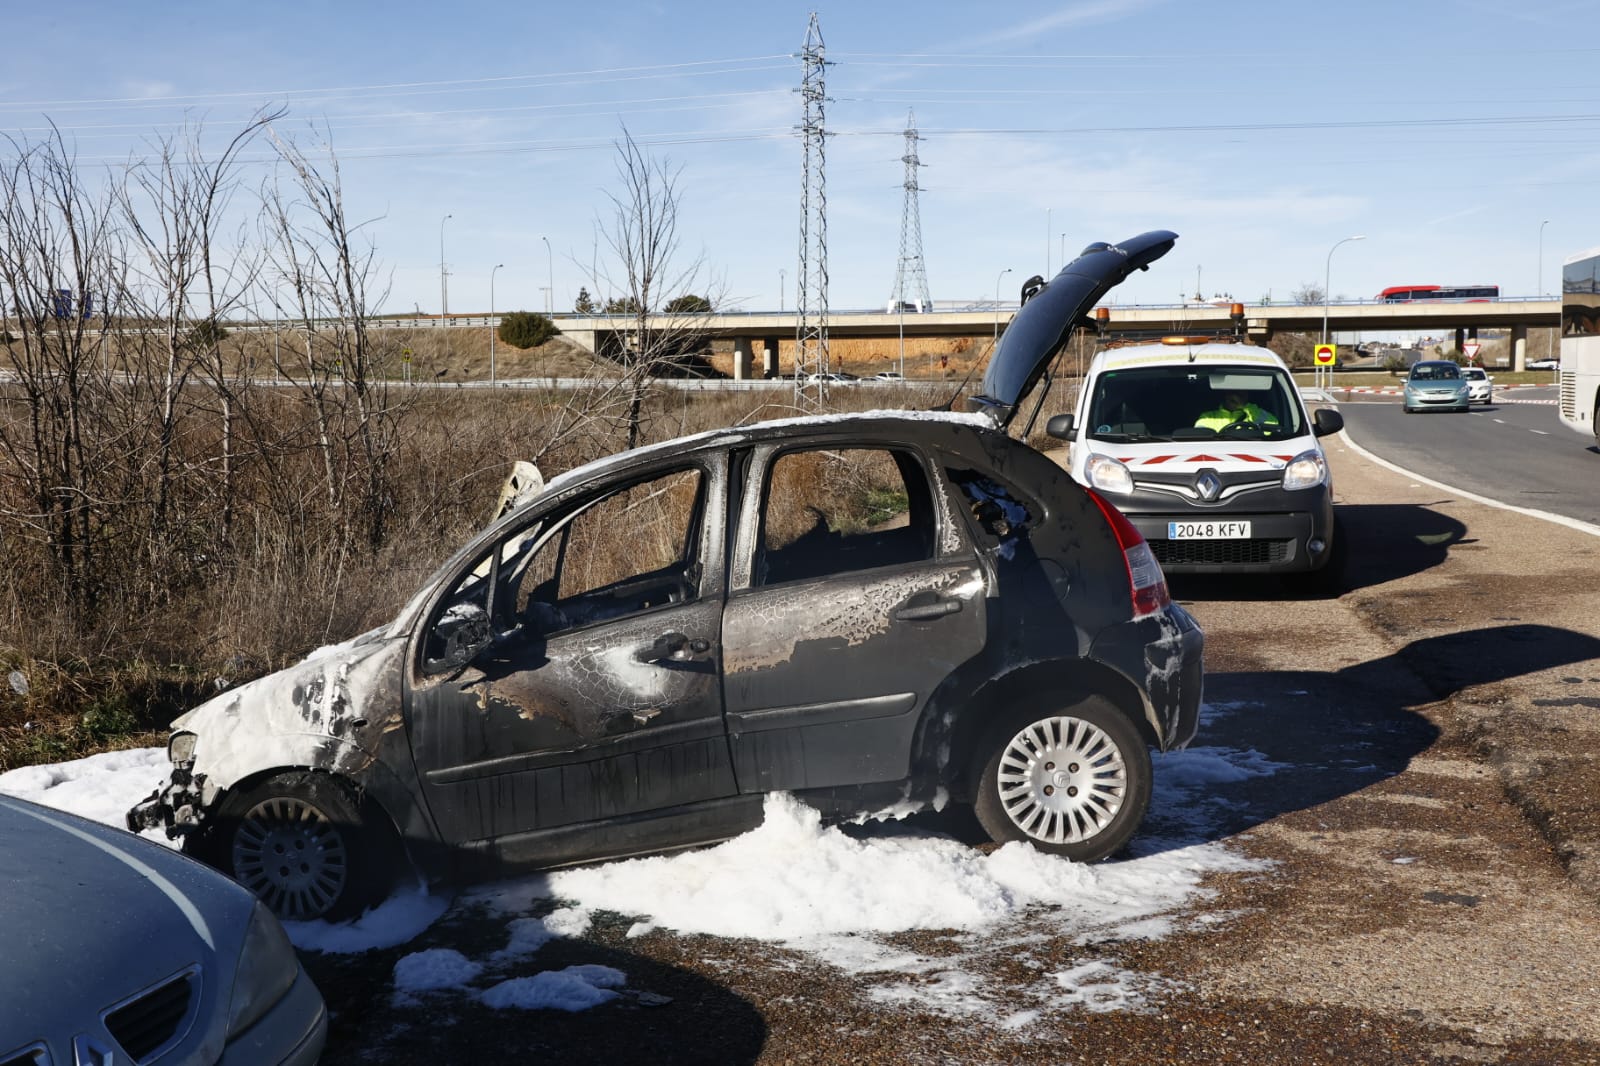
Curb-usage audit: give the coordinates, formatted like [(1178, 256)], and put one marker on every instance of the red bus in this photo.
[(1399, 294)]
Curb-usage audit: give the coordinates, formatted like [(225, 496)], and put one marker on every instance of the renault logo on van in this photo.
[(1208, 485)]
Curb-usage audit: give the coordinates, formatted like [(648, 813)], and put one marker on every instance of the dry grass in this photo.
[(286, 580)]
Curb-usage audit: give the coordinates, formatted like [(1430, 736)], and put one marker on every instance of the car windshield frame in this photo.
[(1166, 403), (1434, 370)]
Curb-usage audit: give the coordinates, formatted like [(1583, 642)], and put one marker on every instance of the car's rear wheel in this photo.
[(1073, 782), (300, 842)]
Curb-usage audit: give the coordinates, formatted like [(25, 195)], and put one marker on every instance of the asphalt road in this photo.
[(1429, 895), (1515, 450)]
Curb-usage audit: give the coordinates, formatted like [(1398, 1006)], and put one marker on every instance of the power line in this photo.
[(724, 66)]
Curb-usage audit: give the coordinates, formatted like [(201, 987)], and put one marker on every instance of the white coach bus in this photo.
[(1580, 343)]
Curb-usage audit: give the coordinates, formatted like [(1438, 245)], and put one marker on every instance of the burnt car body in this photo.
[(873, 612)]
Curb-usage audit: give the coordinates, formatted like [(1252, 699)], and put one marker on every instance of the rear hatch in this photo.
[(1048, 318)]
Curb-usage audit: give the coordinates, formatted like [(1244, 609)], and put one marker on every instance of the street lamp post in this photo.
[(782, 281), (493, 329), (1539, 291), (444, 287), (1063, 249), (1327, 273), (997, 278), (550, 276)]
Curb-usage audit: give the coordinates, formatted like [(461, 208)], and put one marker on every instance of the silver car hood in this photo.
[(91, 916)]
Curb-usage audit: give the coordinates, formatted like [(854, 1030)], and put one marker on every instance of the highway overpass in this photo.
[(756, 333)]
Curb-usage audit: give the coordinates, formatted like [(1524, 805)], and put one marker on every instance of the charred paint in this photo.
[(771, 627)]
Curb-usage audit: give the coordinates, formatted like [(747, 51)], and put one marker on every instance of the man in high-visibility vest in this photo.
[(1234, 409)]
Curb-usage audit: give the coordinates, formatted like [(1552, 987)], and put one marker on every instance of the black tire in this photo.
[(1073, 781), (299, 841)]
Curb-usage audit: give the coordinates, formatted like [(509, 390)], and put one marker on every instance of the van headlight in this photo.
[(1108, 475), (1305, 471)]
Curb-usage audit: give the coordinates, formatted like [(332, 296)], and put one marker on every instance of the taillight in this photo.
[(1145, 579)]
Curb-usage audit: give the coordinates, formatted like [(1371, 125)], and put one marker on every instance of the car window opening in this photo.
[(836, 511)]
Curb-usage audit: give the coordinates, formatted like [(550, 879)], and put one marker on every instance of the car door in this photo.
[(853, 594), (600, 694)]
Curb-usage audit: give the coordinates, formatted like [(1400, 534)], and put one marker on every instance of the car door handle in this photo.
[(923, 612), (674, 647)]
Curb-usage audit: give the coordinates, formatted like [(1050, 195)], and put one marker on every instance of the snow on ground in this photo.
[(831, 892)]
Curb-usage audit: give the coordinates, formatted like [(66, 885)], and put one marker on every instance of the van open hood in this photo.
[(1044, 323)]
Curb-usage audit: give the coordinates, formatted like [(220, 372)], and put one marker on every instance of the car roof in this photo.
[(1210, 352), (873, 422)]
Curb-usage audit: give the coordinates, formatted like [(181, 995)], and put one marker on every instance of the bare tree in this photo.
[(649, 280), (62, 440), (334, 286), (1307, 294), (175, 204)]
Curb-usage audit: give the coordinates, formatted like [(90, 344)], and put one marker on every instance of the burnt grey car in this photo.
[(874, 612), (119, 950)]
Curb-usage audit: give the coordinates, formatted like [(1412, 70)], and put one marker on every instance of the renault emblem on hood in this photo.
[(1208, 485)]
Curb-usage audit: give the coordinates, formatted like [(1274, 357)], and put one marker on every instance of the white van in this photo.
[(1208, 448)]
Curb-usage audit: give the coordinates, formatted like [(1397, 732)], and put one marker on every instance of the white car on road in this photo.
[(1479, 387)]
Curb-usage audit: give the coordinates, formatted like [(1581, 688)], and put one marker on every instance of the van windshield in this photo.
[(1193, 402)]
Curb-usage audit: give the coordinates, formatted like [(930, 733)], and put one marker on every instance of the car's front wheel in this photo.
[(299, 841), (1073, 782)]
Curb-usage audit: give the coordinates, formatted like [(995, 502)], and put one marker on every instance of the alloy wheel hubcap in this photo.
[(291, 856), (1062, 780)]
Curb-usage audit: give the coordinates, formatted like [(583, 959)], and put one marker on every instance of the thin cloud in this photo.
[(1456, 214), (1098, 11)]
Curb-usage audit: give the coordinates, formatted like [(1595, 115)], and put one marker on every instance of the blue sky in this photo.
[(1262, 133)]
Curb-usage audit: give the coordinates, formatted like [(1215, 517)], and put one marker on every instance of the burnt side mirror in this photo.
[(1327, 421), (459, 634), (1061, 427)]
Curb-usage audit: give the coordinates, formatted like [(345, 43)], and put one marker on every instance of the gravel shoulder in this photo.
[(1531, 587)]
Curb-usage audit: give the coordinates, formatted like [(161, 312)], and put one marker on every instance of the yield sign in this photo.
[(1470, 350)]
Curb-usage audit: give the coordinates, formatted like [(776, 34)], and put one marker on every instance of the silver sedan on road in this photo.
[(1435, 385)]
